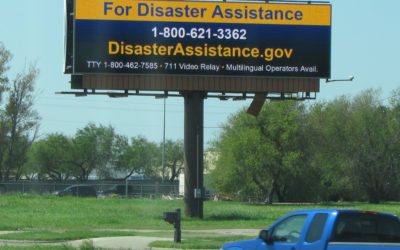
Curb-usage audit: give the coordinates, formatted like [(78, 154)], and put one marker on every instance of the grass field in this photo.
[(69, 218)]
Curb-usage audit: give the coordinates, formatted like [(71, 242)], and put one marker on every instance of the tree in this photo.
[(258, 156), (173, 158), (374, 147), (95, 148), (355, 145), (50, 158), (238, 160), (140, 157), (19, 122), (5, 58), (326, 134)]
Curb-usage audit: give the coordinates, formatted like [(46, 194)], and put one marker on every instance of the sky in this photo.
[(365, 44)]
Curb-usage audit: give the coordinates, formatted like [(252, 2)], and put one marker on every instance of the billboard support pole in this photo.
[(193, 153)]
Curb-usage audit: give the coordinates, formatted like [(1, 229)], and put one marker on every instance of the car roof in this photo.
[(79, 185), (120, 185), (340, 211)]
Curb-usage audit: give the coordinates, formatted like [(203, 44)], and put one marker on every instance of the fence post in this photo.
[(126, 188), (157, 188)]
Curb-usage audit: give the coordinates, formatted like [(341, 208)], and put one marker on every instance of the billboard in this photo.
[(202, 38)]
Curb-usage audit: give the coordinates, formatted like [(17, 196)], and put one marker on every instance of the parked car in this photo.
[(118, 190), (78, 190), (327, 230)]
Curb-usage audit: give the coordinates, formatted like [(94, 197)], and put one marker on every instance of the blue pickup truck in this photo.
[(327, 230)]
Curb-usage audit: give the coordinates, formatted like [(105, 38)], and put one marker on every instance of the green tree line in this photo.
[(92, 150), (345, 149), (100, 151)]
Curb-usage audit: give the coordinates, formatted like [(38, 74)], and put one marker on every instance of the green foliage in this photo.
[(5, 57), (257, 156), (95, 148), (173, 158), (19, 121), (140, 157), (374, 154), (339, 150), (356, 143), (325, 136), (51, 158)]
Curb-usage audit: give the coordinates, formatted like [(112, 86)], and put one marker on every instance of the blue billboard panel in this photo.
[(202, 38)]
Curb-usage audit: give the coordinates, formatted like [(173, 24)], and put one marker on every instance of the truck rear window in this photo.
[(366, 227)]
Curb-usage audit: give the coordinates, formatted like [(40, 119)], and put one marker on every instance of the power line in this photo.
[(99, 108), (122, 109), (136, 103)]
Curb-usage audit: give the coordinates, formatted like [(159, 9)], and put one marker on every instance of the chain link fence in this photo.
[(131, 188)]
